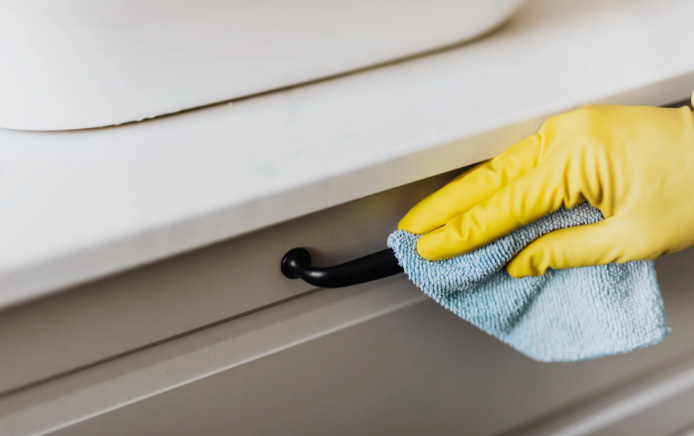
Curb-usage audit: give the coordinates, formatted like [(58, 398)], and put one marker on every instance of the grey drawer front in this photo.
[(121, 313), (417, 371)]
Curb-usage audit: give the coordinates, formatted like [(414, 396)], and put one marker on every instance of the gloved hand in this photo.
[(635, 164)]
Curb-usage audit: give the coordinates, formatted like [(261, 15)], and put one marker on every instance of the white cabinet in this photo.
[(218, 342), (135, 309), (421, 370)]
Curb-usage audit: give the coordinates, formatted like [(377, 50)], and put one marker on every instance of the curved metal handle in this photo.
[(296, 264)]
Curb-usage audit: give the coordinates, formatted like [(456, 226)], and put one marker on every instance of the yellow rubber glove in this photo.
[(635, 164)]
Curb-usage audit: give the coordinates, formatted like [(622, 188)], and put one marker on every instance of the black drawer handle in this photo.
[(296, 264)]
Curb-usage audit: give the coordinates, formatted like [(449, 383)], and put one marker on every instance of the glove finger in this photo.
[(472, 187), (533, 196), (593, 244)]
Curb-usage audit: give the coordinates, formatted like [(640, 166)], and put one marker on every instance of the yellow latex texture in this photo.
[(634, 163)]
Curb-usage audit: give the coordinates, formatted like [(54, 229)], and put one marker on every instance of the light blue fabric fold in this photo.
[(564, 315)]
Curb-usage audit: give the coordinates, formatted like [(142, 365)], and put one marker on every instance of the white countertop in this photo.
[(79, 205)]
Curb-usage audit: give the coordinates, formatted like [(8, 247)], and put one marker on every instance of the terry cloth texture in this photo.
[(562, 316)]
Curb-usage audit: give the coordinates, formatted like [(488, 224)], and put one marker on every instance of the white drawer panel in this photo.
[(135, 309), (416, 371)]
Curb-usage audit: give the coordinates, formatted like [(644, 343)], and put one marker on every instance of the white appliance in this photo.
[(74, 64)]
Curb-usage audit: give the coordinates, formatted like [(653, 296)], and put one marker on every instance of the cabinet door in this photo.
[(123, 313), (421, 370)]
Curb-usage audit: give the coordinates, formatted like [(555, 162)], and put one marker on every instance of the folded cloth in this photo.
[(564, 315)]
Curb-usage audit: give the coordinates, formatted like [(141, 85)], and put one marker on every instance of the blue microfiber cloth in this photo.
[(562, 316)]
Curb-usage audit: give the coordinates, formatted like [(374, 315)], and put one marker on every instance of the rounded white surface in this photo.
[(76, 64)]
